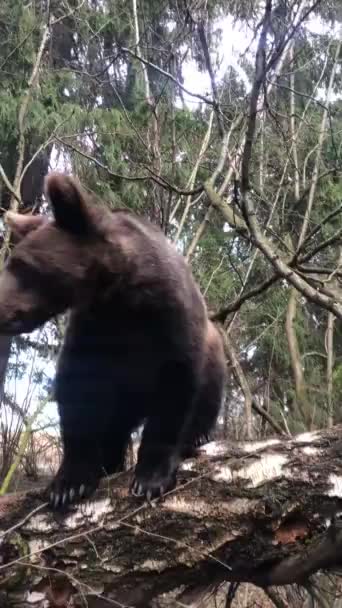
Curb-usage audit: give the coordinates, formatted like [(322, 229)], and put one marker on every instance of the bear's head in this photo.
[(54, 261)]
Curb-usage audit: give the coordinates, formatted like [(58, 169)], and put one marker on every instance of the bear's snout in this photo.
[(20, 309)]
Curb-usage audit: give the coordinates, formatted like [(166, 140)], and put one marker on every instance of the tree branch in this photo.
[(203, 98), (260, 512), (158, 179), (259, 77), (250, 402), (205, 49), (236, 304), (280, 265)]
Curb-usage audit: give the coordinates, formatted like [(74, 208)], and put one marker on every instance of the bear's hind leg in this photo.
[(209, 400), (204, 417)]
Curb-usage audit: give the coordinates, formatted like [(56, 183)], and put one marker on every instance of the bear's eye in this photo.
[(16, 265), (25, 274)]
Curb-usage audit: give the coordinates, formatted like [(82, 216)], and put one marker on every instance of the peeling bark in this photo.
[(264, 512)]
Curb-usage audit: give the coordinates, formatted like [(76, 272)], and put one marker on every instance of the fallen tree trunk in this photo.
[(266, 512)]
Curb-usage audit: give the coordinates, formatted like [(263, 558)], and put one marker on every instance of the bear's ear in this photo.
[(20, 224), (68, 203)]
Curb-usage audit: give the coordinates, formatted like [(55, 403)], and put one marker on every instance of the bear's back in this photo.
[(153, 263)]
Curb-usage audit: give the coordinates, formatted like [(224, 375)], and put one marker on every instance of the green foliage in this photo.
[(337, 378)]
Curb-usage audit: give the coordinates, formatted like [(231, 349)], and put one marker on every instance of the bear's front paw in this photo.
[(71, 484), (153, 483)]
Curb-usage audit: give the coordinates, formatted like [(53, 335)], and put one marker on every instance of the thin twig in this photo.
[(236, 304), (161, 181), (206, 100), (319, 150), (204, 44)]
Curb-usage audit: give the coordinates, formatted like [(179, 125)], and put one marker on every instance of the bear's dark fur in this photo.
[(138, 348)]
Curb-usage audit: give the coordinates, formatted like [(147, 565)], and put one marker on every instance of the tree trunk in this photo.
[(263, 512)]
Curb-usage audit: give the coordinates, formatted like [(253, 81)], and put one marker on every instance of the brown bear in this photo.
[(139, 347)]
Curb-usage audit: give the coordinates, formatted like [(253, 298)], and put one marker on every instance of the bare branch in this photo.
[(229, 213), (192, 178), (260, 72), (261, 241), (283, 268), (9, 185), (319, 149), (334, 238), (199, 233), (204, 44), (324, 221), (250, 402), (148, 96), (236, 304), (206, 100), (22, 117)]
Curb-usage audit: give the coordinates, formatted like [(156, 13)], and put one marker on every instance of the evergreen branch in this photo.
[(17, 47), (158, 179), (43, 146), (127, 116)]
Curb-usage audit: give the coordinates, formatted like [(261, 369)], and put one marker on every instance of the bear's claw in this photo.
[(67, 496), (66, 488), (152, 486)]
